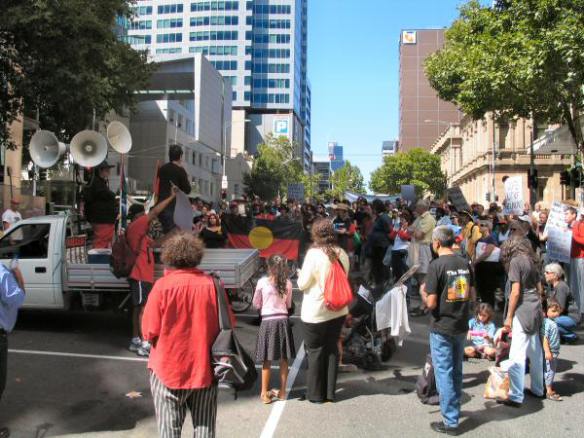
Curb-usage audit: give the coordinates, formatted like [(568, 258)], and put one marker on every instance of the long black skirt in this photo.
[(275, 341)]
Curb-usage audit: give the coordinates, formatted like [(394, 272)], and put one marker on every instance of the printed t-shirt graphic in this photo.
[(458, 285)]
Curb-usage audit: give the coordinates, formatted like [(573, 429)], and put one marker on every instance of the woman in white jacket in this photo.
[(322, 327)]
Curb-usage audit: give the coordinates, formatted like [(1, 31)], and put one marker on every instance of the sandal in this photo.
[(267, 398), (554, 396), (275, 393)]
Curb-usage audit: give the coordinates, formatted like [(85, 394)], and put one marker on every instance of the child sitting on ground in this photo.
[(273, 295), (551, 347), (481, 332)]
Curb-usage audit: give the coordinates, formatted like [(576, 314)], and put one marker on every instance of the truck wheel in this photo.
[(241, 298)]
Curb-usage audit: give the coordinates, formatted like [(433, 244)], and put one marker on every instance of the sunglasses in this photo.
[(514, 229)]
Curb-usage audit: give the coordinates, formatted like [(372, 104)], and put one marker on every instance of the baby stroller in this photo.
[(363, 345)]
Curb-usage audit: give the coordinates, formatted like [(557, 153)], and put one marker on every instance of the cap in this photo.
[(134, 210), (104, 165)]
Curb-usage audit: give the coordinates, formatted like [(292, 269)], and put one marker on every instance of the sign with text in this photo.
[(559, 236), (457, 198), (281, 127), (408, 194), (296, 192), (514, 195)]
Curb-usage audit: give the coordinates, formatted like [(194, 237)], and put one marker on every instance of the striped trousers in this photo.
[(171, 408)]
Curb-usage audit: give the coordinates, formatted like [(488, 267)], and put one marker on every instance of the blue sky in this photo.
[(353, 66)]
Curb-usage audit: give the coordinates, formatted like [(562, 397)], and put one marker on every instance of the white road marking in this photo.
[(278, 408), (93, 356), (85, 356)]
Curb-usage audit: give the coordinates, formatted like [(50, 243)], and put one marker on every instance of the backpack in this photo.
[(426, 384), (337, 289), (123, 258)]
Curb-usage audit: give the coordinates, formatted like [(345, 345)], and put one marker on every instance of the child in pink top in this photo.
[(273, 296)]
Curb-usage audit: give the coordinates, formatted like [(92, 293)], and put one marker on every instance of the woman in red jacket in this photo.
[(180, 321)]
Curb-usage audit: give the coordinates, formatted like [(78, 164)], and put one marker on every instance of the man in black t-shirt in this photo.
[(172, 173), (448, 293)]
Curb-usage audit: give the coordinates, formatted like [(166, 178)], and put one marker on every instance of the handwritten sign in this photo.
[(514, 196), (408, 194), (457, 198), (559, 236)]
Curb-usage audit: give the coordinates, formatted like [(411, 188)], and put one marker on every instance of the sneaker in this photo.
[(144, 349), (440, 427), (135, 344)]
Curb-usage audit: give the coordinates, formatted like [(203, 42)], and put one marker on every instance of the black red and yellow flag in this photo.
[(278, 236)]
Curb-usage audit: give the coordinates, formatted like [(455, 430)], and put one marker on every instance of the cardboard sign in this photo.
[(408, 194), (296, 192), (514, 196), (559, 236), (457, 198)]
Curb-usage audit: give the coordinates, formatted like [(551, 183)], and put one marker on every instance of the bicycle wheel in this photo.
[(242, 298)]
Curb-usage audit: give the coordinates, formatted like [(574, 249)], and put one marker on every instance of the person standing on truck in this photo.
[(172, 172), (100, 207), (11, 215), (141, 278), (11, 298)]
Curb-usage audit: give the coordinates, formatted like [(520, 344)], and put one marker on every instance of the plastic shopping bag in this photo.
[(497, 386)]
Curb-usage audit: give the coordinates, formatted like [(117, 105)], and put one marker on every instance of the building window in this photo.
[(225, 65), (168, 51), (271, 83), (272, 9), (169, 38), (247, 80), (215, 6), (271, 68), (194, 161), (169, 23), (234, 96), (137, 39), (142, 10), (273, 38), (213, 36), (141, 25), (247, 96), (170, 9)]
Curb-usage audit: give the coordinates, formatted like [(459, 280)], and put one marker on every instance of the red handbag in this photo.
[(337, 289)]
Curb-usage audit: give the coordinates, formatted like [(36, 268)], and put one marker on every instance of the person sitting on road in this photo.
[(481, 332), (141, 278), (560, 291), (181, 322), (273, 297)]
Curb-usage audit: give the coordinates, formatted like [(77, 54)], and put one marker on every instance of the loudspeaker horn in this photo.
[(88, 148), (46, 149), (119, 137)]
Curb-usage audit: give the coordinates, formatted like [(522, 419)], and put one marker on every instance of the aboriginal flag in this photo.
[(278, 236)]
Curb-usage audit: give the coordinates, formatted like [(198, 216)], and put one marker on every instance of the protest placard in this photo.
[(296, 191), (559, 236), (457, 198), (514, 196), (408, 193)]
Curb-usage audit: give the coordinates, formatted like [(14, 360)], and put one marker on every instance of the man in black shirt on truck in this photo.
[(171, 173)]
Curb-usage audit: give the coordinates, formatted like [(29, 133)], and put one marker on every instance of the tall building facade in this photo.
[(423, 115), (335, 151), (259, 45)]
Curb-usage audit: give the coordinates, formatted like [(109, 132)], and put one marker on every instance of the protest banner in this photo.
[(559, 236), (457, 198), (296, 191), (514, 196)]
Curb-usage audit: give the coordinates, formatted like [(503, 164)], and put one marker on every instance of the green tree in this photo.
[(274, 167), (521, 58), (63, 60), (417, 167), (346, 179)]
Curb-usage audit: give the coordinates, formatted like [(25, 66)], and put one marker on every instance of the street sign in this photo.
[(224, 183)]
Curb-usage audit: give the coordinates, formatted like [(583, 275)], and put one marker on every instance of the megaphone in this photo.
[(119, 137), (88, 148), (45, 149)]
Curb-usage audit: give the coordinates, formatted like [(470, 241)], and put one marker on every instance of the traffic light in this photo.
[(576, 176), (565, 179), (532, 179)]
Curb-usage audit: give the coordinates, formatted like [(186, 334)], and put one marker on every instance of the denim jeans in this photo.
[(566, 326), (447, 357), (525, 346)]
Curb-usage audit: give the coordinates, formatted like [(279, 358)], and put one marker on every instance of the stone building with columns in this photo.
[(475, 155)]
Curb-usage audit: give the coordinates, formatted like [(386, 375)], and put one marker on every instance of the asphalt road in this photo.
[(69, 375)]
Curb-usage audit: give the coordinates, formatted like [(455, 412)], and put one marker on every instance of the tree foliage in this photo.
[(64, 60), (346, 179), (521, 58), (417, 167), (274, 167)]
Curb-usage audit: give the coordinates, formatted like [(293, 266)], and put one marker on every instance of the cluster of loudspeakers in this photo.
[(87, 148)]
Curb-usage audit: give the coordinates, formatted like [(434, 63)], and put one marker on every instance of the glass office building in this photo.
[(336, 156), (259, 45)]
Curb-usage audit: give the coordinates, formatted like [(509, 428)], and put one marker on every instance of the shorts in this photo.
[(139, 291), (550, 371)]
